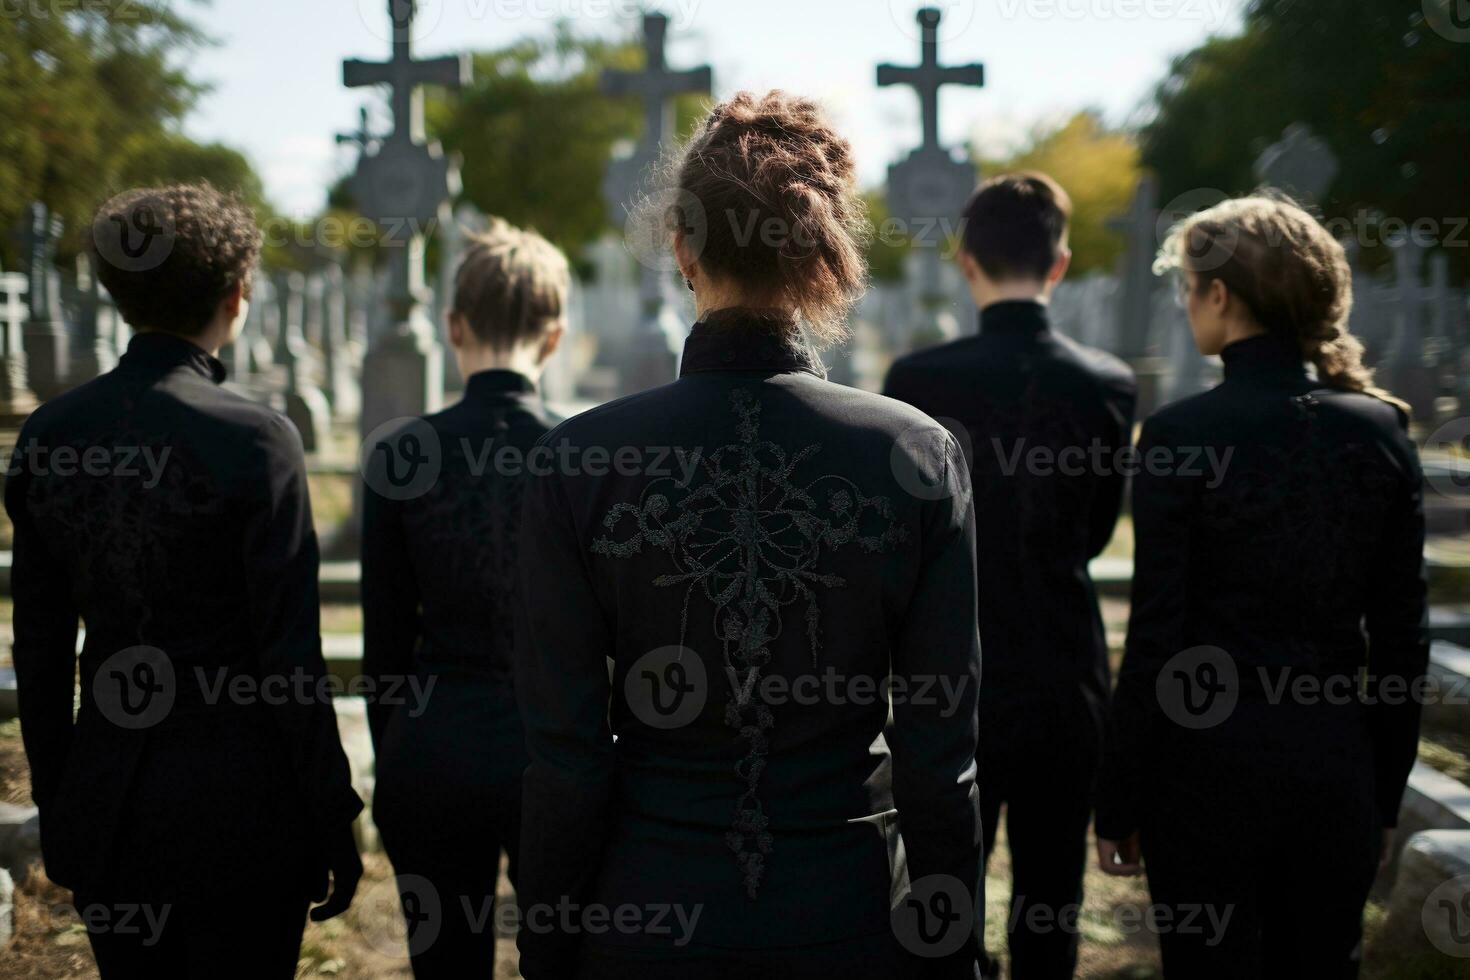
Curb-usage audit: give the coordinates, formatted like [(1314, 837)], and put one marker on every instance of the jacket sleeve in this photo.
[(934, 739), (1162, 503), (45, 650), (562, 690), (1397, 626), (282, 565), (1120, 399), (390, 605)]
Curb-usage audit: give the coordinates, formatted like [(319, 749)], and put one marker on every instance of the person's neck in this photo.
[(1011, 292), (210, 341), (524, 361), (1238, 330), (712, 300)]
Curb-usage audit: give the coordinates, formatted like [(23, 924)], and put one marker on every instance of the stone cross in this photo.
[(929, 76), (1139, 228), (929, 188), (45, 333), (404, 186), (653, 359), (15, 394), (1299, 163), (1413, 378), (363, 138)]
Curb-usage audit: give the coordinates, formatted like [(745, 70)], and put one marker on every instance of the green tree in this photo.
[(91, 97), (535, 132), (1382, 86), (1099, 169)]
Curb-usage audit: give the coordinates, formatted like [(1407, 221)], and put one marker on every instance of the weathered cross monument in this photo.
[(652, 358), (1299, 163), (45, 332), (929, 188), (404, 186), (16, 401), (1142, 228)]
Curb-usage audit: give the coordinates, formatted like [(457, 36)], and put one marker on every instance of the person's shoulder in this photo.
[(610, 418), (1186, 415), (1108, 370)]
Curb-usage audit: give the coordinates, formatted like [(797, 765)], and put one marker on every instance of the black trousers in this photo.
[(1041, 768), (868, 958), (1262, 846), (249, 936), (446, 857)]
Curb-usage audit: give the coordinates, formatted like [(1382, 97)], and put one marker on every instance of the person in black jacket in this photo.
[(200, 798), (767, 560), (1254, 770), (438, 593), (1045, 419)]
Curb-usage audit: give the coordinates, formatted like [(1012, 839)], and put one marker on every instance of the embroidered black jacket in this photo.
[(753, 550), (438, 587), (172, 518), (1301, 562), (1045, 419)]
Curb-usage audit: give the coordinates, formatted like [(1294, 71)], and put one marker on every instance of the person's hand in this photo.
[(1386, 857), (1120, 857), (345, 865)]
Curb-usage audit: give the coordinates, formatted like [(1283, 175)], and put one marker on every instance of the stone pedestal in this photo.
[(47, 358), (402, 376)]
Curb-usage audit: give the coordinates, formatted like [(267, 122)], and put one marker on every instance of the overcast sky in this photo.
[(277, 71)]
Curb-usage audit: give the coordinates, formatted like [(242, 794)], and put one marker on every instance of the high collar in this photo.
[(164, 351), (1266, 356), (748, 340), (498, 384), (1014, 316)]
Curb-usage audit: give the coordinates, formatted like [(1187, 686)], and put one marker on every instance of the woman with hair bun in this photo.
[(770, 563), (1263, 726)]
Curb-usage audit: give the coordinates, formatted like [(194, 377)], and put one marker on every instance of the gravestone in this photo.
[(305, 405), (1411, 374), (403, 186), (1299, 163), (929, 188), (16, 400), (1137, 342), (340, 357), (92, 352), (45, 332), (651, 356)]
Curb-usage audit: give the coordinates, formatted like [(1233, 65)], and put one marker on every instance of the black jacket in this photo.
[(1045, 419), (758, 527), (172, 517), (1298, 560), (439, 586)]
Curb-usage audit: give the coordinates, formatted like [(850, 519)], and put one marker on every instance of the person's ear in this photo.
[(1059, 267), (1218, 297), (457, 329), (969, 268), (232, 303), (552, 341), (684, 255)]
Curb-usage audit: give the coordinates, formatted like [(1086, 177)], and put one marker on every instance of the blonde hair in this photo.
[(511, 285), (1290, 273)]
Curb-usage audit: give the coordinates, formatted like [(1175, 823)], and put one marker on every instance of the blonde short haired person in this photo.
[(438, 557)]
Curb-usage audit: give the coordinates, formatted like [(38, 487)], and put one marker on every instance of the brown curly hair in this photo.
[(1289, 271), (169, 255), (770, 189)]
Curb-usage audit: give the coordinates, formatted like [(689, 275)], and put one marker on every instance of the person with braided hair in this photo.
[(778, 779), (1265, 722)]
